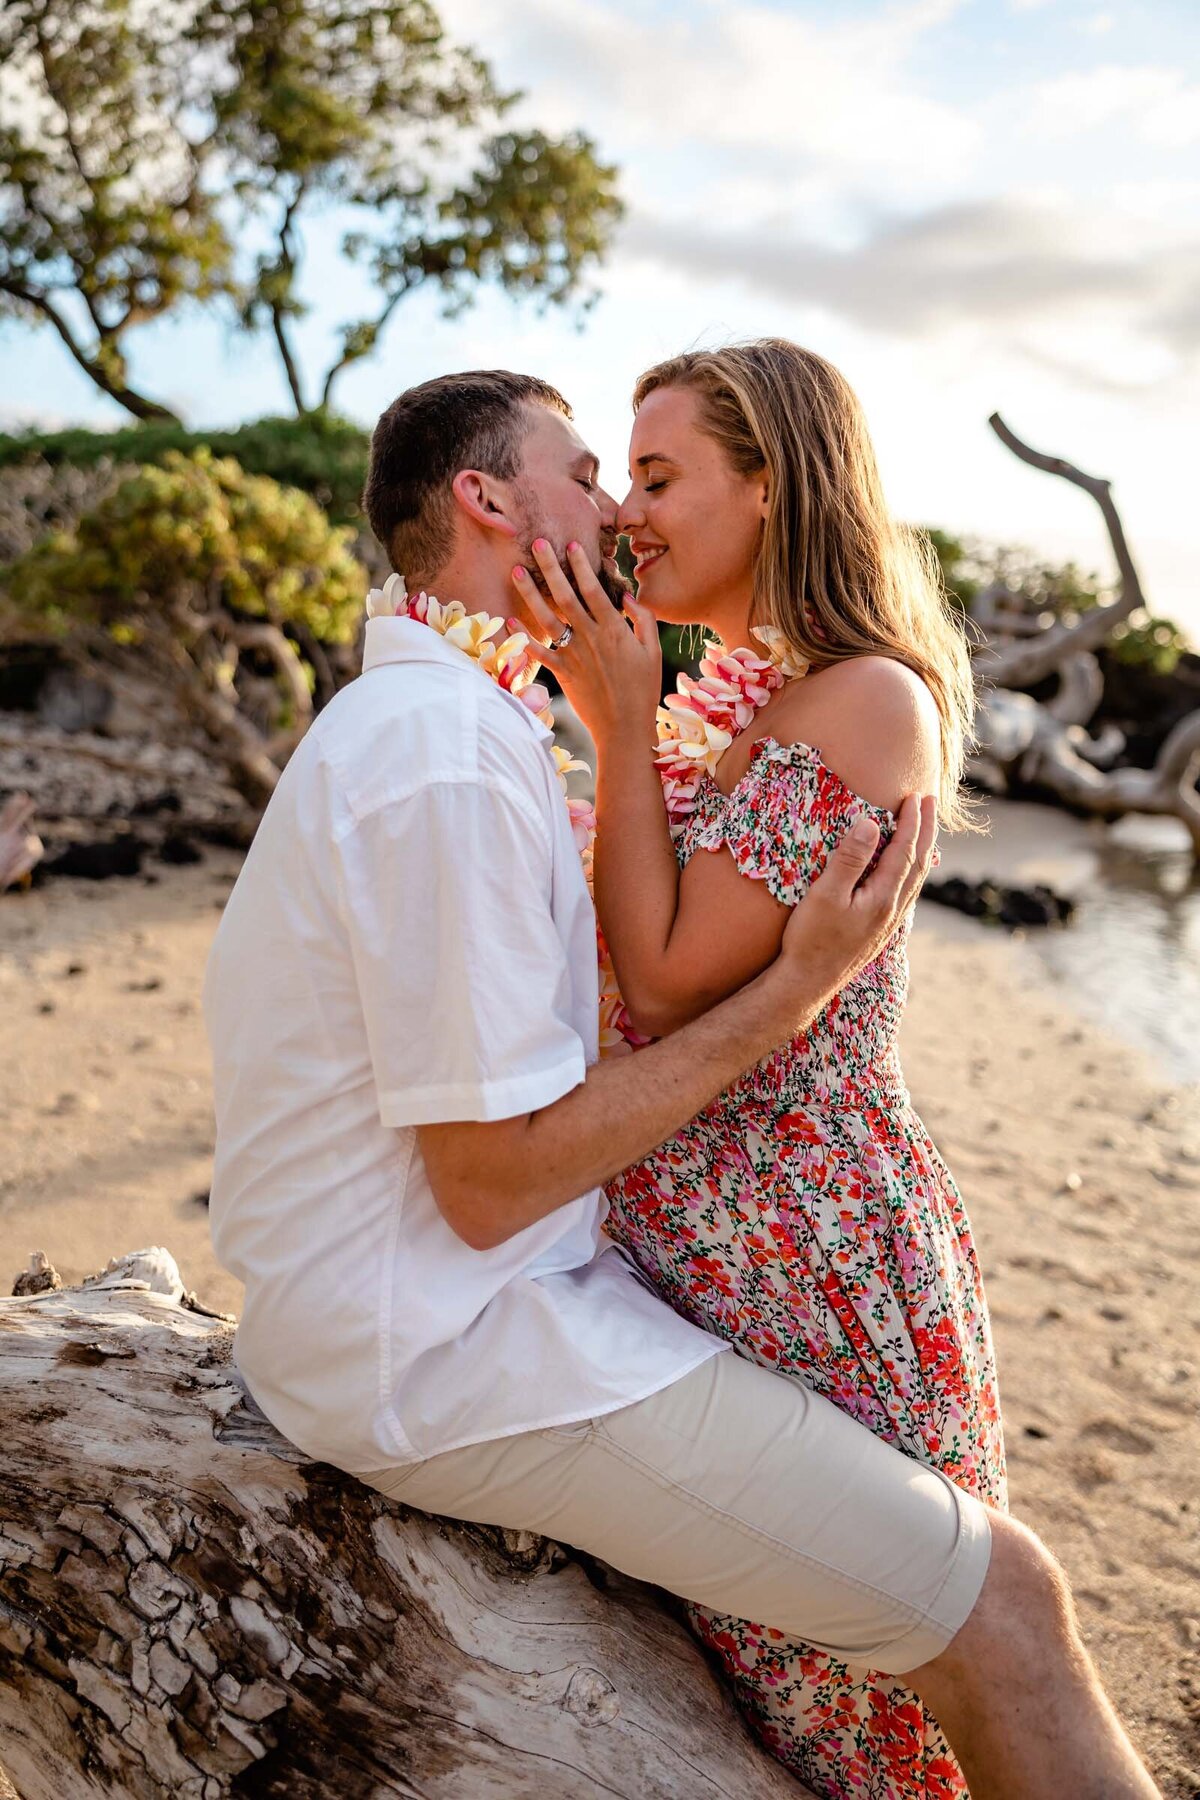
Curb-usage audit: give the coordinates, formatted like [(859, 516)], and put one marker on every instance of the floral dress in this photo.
[(806, 1216)]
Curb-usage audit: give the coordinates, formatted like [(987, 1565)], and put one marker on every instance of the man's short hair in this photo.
[(469, 421)]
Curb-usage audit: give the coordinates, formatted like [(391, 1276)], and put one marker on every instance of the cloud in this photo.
[(1005, 269), (1160, 105), (801, 91)]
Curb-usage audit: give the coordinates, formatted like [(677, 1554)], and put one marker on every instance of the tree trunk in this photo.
[(92, 362), (189, 1607)]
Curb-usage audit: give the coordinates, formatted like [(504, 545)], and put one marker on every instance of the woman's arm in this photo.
[(681, 943), (875, 726), (492, 1179), (613, 677)]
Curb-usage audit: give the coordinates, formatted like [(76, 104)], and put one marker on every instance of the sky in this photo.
[(968, 205)]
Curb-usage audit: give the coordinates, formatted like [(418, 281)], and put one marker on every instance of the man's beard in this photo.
[(611, 580)]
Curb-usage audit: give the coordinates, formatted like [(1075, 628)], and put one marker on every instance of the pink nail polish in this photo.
[(520, 574), (540, 544), (572, 546)]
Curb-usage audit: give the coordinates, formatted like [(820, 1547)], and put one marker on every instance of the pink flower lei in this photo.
[(696, 725)]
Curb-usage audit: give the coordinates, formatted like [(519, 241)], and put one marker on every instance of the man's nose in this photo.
[(608, 509)]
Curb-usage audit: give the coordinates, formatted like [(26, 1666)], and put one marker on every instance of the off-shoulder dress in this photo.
[(807, 1216)]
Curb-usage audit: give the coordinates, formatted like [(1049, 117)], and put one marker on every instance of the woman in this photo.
[(806, 1215)]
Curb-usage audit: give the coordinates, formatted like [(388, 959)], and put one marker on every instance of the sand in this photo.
[(1080, 1164)]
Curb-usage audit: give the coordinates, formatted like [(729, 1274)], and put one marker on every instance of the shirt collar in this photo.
[(392, 640)]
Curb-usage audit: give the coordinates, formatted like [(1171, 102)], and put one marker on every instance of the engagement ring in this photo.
[(560, 643)]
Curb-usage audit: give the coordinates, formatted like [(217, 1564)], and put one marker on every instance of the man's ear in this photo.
[(484, 501)]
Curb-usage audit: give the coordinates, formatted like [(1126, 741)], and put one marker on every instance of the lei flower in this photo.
[(696, 725)]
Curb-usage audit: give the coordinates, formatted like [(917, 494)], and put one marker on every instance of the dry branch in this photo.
[(1046, 742), (20, 847), (189, 1607), (1021, 664)]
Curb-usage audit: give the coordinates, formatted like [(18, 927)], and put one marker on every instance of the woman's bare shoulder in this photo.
[(874, 722)]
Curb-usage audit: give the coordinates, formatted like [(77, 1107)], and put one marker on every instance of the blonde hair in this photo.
[(833, 570)]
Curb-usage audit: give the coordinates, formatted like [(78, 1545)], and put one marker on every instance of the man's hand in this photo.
[(844, 920)]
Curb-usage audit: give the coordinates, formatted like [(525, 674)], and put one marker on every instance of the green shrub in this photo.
[(199, 531), (1146, 642), (322, 454)]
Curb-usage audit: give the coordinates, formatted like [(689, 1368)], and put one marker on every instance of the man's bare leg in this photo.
[(1016, 1692)]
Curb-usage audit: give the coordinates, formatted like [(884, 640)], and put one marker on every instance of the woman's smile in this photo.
[(646, 554)]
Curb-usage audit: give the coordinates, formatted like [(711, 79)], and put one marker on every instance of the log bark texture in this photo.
[(189, 1607)]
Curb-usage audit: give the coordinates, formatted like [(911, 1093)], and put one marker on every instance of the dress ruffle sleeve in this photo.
[(782, 820)]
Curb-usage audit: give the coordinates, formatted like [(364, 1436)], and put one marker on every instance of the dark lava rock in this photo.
[(99, 861), (166, 801), (178, 847), (999, 904)]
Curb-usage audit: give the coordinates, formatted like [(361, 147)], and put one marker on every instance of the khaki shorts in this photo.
[(741, 1489)]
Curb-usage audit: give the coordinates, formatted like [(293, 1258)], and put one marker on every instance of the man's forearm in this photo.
[(631, 1104), (492, 1180)]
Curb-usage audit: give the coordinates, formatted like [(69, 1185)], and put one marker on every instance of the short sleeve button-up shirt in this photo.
[(411, 941)]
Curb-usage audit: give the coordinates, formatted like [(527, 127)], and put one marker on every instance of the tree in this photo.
[(363, 104), (151, 141), (1053, 628), (1048, 592), (106, 221)]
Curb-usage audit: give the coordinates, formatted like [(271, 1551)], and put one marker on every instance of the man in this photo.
[(413, 1127)]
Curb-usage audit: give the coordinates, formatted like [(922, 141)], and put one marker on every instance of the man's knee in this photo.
[(1025, 1582), (1023, 1616)]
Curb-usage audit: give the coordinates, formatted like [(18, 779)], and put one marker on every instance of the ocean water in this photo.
[(1130, 958), (1131, 955)]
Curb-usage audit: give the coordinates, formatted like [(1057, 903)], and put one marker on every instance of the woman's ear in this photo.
[(764, 498), (483, 500)]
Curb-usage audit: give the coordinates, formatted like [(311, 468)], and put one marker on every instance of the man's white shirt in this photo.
[(411, 941)]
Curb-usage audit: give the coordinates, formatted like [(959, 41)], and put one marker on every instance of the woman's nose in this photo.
[(630, 512)]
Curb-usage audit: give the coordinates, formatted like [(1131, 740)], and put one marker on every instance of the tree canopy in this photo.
[(106, 217), (150, 156)]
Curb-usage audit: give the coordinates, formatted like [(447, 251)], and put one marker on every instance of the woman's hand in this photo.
[(611, 675)]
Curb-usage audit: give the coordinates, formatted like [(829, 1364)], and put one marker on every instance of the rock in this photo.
[(998, 904), (177, 847), (167, 801), (71, 701), (98, 861)]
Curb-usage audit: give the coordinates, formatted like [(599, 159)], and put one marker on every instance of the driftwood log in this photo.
[(189, 1607), (1047, 744), (20, 847)]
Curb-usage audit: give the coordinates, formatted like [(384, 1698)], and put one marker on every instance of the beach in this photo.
[(1078, 1153)]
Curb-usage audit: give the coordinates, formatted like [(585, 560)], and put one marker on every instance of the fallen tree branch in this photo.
[(190, 1607), (1169, 788), (1021, 664), (20, 847)]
